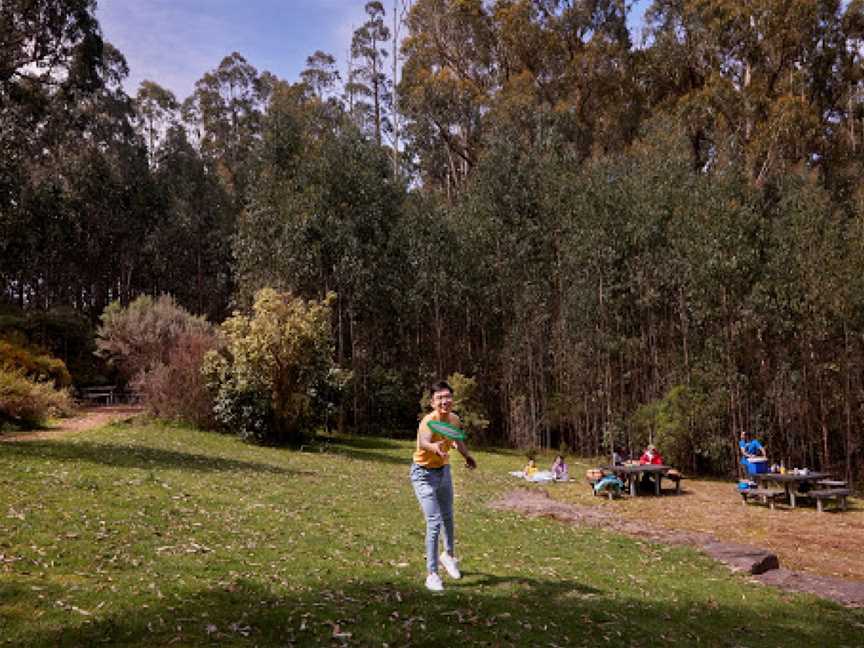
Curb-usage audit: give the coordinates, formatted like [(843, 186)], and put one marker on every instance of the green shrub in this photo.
[(38, 366), (244, 410), (62, 333), (29, 403), (273, 367), (683, 426)]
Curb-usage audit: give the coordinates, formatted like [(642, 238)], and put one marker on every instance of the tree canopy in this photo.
[(620, 237)]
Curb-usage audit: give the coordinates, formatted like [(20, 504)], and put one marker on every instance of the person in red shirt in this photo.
[(651, 456)]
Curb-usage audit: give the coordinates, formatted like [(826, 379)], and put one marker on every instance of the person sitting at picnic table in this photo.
[(651, 456), (618, 456), (750, 447)]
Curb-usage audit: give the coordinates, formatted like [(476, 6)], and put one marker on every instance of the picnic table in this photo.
[(790, 481), (632, 472), (106, 393)]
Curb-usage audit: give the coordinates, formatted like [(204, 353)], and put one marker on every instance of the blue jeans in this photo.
[(434, 490)]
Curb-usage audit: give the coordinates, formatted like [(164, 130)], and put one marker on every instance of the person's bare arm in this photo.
[(427, 444), (463, 450)]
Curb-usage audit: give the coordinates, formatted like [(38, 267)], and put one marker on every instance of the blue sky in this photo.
[(174, 42)]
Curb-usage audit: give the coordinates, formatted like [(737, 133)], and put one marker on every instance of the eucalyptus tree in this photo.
[(225, 112), (324, 212), (46, 47), (156, 110), (449, 73), (189, 245), (100, 164), (368, 78), (764, 83), (47, 42), (320, 73), (566, 67)]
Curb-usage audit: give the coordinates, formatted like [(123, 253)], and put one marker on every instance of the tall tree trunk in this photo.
[(847, 405)]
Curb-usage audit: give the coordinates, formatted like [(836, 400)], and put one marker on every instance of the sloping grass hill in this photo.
[(152, 535)]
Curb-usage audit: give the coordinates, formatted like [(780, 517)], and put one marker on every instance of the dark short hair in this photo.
[(441, 385)]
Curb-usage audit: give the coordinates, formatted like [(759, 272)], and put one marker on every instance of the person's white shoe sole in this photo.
[(450, 564)]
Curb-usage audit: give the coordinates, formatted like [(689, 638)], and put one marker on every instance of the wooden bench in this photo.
[(134, 396), (677, 477), (765, 495), (840, 494), (97, 394), (832, 483)]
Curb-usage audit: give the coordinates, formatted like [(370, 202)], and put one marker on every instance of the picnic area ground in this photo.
[(830, 544), (149, 534)]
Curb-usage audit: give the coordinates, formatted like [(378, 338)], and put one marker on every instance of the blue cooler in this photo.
[(756, 466)]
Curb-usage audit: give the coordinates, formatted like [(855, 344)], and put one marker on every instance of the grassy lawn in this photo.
[(829, 544), (152, 535)]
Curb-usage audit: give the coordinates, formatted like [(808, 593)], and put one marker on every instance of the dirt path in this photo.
[(87, 419), (762, 564)]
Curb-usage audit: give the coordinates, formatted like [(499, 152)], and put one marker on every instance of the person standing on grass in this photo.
[(433, 484), (750, 448)]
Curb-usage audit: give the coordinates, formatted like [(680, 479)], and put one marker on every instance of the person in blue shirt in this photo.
[(750, 448)]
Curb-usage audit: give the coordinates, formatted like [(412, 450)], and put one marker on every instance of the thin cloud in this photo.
[(174, 42), (164, 42)]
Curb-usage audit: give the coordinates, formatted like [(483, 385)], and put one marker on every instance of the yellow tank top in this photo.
[(429, 459)]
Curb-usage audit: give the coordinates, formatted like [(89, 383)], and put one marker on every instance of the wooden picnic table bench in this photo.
[(675, 476), (765, 495), (790, 481), (108, 393), (840, 494), (631, 473), (832, 483)]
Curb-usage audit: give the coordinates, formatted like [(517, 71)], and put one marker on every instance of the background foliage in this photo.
[(615, 234)]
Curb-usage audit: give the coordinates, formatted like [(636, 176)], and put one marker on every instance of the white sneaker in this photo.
[(451, 565), (434, 584)]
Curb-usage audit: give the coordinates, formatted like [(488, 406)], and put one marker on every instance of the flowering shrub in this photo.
[(38, 366), (29, 403), (143, 335), (160, 347), (176, 388), (273, 365)]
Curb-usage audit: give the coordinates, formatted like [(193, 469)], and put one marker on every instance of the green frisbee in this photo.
[(446, 430)]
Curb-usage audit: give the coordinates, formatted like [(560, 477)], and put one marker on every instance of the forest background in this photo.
[(617, 242)]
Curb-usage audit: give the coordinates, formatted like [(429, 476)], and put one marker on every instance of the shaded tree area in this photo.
[(620, 242), (656, 243), (103, 196)]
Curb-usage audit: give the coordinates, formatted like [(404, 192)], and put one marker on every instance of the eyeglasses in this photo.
[(442, 398)]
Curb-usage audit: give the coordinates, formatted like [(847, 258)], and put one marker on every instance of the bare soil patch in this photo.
[(87, 419), (830, 543), (817, 553)]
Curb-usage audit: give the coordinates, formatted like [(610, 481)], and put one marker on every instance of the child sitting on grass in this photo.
[(559, 469)]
